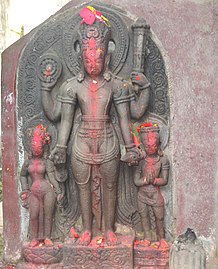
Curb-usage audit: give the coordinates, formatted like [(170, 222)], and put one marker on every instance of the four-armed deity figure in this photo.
[(43, 190), (95, 152), (152, 172)]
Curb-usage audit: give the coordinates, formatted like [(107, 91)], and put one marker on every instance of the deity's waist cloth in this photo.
[(95, 141)]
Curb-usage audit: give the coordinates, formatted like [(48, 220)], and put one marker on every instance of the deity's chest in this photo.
[(152, 166), (36, 166), (95, 100)]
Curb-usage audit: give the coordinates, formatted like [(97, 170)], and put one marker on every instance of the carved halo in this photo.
[(119, 40)]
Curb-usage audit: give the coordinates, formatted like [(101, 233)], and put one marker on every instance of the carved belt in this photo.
[(96, 128), (99, 118)]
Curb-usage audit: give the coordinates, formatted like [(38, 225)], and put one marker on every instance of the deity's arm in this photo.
[(67, 115), (139, 104), (68, 103), (121, 100), (50, 175), (51, 106), (164, 174), (24, 176), (25, 184), (68, 100)]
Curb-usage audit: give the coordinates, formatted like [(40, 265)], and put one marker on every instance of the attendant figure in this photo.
[(40, 189), (150, 175)]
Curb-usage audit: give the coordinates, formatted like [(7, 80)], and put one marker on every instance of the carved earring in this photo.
[(80, 76), (160, 152), (107, 74)]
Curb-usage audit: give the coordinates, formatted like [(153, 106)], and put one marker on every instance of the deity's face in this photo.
[(94, 59), (151, 143), (37, 145)]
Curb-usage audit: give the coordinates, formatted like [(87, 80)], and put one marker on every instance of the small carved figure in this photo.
[(152, 172), (40, 189)]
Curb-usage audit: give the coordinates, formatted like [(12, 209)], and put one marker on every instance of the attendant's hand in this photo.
[(24, 196)]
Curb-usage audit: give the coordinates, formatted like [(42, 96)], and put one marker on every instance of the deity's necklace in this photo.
[(152, 160), (93, 85)]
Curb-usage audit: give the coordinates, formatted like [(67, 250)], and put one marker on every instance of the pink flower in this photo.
[(88, 16)]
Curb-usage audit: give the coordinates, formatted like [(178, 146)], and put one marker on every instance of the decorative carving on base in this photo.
[(101, 256), (43, 254), (151, 257)]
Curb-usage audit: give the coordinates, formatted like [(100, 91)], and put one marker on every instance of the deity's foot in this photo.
[(85, 239), (34, 242), (146, 242), (163, 244), (111, 238), (48, 242), (73, 235)]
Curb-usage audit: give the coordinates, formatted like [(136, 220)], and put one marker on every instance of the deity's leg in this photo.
[(110, 174), (49, 206), (81, 172), (34, 219), (145, 220), (159, 216)]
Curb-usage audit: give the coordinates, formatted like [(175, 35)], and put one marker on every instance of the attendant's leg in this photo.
[(159, 216), (49, 206), (145, 220), (34, 219)]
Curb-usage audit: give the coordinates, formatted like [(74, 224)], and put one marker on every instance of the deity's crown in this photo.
[(148, 127), (98, 32)]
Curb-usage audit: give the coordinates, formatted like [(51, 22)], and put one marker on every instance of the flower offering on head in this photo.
[(42, 134), (89, 15), (148, 127)]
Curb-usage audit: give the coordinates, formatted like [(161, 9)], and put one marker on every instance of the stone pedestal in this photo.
[(150, 258), (101, 256), (43, 254)]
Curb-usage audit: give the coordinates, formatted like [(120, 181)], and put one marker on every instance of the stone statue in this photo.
[(152, 172), (95, 155), (40, 189), (95, 74)]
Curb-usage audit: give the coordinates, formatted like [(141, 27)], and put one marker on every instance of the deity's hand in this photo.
[(140, 80), (133, 155), (145, 181), (58, 154), (150, 178), (25, 198), (45, 87)]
